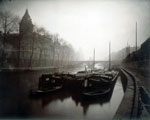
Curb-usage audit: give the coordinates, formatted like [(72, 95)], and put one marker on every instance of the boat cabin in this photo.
[(48, 81)]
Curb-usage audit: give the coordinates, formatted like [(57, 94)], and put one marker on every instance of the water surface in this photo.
[(15, 101)]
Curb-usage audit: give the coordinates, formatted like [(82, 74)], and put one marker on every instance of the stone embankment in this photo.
[(128, 108)]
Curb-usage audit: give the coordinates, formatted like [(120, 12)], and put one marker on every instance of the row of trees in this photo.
[(36, 49), (8, 24)]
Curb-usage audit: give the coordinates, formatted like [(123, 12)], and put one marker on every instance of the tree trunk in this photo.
[(40, 56), (19, 47), (53, 56), (3, 50), (31, 56), (45, 56), (4, 40)]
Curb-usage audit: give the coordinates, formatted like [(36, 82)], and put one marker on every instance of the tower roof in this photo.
[(26, 25), (26, 13), (26, 17)]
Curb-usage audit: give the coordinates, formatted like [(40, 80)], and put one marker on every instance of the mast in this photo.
[(136, 36), (94, 59), (109, 55)]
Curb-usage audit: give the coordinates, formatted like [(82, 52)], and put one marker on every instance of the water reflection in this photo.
[(71, 104), (65, 104), (75, 98)]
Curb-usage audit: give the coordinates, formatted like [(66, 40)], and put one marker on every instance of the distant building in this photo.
[(29, 48), (26, 26), (145, 50), (25, 49), (142, 54)]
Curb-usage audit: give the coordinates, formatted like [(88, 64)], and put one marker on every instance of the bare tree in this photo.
[(32, 50), (40, 30), (8, 23), (44, 41), (54, 46)]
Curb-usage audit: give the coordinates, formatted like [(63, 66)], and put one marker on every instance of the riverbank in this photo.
[(23, 69), (51, 68), (142, 80), (129, 105), (143, 84)]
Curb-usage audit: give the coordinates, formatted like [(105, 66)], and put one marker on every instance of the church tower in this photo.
[(26, 26)]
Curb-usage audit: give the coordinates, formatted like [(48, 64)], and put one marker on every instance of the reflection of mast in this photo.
[(109, 55), (85, 109)]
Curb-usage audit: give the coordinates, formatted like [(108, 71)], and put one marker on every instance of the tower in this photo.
[(26, 26)]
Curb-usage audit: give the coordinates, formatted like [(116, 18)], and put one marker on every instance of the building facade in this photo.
[(27, 48), (30, 49)]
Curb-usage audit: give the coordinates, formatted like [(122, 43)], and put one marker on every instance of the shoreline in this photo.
[(25, 69)]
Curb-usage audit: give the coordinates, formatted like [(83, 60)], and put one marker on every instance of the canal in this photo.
[(15, 101)]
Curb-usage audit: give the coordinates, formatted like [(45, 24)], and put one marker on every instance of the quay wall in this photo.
[(129, 105)]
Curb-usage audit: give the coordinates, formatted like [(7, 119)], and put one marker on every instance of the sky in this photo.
[(89, 24)]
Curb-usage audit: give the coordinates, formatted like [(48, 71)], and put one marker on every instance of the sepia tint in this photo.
[(75, 59)]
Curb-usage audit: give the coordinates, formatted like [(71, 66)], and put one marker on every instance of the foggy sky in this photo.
[(89, 24)]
